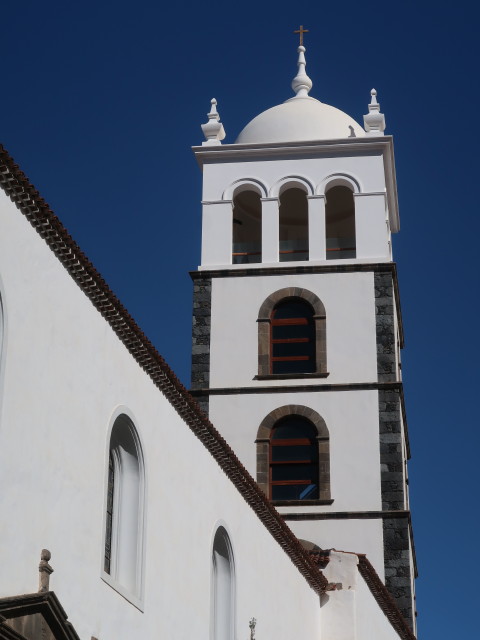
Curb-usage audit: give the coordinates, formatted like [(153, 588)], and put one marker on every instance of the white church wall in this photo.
[(66, 376), (370, 622), (3, 332), (351, 337), (351, 611)]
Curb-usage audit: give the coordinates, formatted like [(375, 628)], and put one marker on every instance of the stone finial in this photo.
[(374, 121), (301, 84), (213, 129), (45, 570)]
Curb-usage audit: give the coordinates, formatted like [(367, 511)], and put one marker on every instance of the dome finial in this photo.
[(301, 84), (374, 121), (213, 129)]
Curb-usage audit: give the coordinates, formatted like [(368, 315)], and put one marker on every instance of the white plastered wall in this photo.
[(370, 622), (66, 374), (351, 339), (352, 420), (351, 612), (365, 173)]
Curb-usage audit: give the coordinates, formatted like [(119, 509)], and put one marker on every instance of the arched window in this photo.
[(293, 460), (340, 223), (247, 228), (124, 510), (293, 221), (293, 455), (223, 605), (292, 335)]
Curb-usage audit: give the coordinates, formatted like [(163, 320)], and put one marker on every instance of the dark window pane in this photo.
[(294, 427), (292, 309), (294, 472), (288, 331), (292, 349), (293, 320), (108, 533), (297, 452), (294, 492)]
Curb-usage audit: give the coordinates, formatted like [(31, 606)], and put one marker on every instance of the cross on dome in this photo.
[(301, 31)]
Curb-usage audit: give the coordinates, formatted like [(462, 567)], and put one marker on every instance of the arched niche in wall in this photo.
[(223, 587), (340, 220), (293, 223), (247, 225), (124, 528)]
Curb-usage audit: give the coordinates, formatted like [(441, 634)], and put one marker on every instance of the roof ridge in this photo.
[(29, 201)]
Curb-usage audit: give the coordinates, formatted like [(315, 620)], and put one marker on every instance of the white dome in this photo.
[(300, 119)]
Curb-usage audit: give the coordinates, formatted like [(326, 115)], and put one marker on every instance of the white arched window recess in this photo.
[(292, 193), (124, 518), (223, 587), (340, 223), (247, 224)]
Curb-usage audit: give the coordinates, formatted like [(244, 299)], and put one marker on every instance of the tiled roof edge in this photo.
[(29, 201), (384, 598)]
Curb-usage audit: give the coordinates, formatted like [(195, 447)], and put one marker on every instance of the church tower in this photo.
[(297, 328)]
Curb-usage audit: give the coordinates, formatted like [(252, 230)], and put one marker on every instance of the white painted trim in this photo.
[(290, 182), (116, 586), (242, 152), (336, 180), (371, 193), (244, 184), (216, 202)]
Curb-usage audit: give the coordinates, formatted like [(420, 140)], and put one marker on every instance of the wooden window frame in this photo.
[(289, 442), (282, 322), (264, 322), (264, 456)]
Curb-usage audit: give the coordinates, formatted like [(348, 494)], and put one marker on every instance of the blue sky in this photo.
[(100, 103)]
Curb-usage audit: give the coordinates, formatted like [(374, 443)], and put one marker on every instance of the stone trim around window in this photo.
[(264, 324), (323, 440)]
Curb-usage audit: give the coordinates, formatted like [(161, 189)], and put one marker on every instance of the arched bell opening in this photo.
[(247, 228), (293, 221), (340, 223)]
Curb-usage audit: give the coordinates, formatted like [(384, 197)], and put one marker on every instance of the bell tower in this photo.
[(297, 328)]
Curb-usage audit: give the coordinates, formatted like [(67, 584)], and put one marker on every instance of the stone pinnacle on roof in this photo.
[(374, 121), (301, 84), (213, 129)]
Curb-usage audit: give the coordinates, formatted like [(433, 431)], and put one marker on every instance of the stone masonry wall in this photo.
[(385, 326), (396, 530), (201, 328)]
